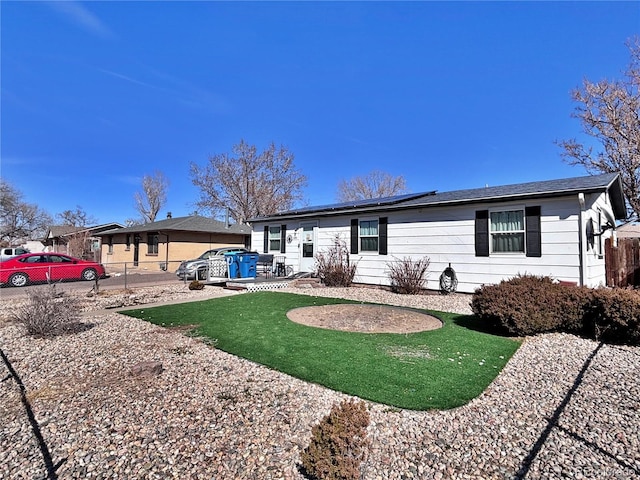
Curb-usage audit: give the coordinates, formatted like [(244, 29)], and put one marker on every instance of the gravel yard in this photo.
[(563, 407)]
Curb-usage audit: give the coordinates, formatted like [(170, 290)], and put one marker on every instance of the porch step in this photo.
[(229, 286), (256, 287)]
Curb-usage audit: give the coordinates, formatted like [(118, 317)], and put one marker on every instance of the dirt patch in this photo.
[(364, 318)]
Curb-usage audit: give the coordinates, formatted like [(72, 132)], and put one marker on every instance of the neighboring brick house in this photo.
[(80, 242), (163, 244)]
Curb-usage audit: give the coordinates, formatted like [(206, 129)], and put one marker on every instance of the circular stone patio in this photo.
[(364, 318)]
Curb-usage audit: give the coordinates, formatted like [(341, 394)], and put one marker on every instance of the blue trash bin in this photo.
[(232, 264), (248, 264)]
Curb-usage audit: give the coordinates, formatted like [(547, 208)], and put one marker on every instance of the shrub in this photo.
[(408, 275), (196, 285), (338, 443), (334, 266), (528, 304), (47, 312), (613, 315)]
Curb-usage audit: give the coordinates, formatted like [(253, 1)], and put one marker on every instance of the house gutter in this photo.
[(582, 241)]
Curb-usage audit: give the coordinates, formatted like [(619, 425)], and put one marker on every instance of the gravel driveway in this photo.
[(563, 407)]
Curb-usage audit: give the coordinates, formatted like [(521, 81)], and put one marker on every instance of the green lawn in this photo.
[(439, 369)]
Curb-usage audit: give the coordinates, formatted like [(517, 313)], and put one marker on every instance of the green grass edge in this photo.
[(439, 369)]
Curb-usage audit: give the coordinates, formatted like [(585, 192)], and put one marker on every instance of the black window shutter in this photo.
[(482, 233), (354, 235), (265, 242), (534, 237), (382, 235), (283, 238)]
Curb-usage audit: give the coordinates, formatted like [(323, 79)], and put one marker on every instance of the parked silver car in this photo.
[(196, 269)]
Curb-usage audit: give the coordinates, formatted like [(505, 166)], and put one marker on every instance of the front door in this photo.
[(308, 246)]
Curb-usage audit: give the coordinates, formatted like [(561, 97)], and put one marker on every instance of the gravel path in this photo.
[(563, 407)]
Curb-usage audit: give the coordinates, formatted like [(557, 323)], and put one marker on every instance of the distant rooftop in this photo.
[(629, 230), (192, 223)]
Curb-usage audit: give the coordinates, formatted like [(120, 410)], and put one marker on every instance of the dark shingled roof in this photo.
[(62, 230), (56, 231), (547, 188), (193, 223)]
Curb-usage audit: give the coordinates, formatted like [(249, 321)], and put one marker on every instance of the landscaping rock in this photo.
[(561, 408), (146, 369)]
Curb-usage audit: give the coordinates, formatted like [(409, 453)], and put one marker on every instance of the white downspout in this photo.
[(582, 240)]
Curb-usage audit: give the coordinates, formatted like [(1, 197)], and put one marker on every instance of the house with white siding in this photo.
[(554, 227)]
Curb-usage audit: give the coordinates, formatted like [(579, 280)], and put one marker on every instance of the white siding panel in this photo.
[(257, 238), (595, 262), (447, 235)]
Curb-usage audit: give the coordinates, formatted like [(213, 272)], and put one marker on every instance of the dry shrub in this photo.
[(408, 275), (48, 313), (196, 285), (334, 266), (338, 443)]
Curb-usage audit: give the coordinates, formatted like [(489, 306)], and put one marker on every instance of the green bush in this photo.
[(408, 275), (529, 304), (614, 316), (338, 443)]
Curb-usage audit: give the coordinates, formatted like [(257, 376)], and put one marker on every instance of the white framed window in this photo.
[(307, 241), (369, 238), (507, 231), (274, 239)]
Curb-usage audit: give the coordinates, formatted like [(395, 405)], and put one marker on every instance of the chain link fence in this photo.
[(129, 275)]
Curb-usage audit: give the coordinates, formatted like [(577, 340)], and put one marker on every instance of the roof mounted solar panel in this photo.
[(369, 202)]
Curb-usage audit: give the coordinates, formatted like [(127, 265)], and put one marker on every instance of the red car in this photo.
[(43, 267)]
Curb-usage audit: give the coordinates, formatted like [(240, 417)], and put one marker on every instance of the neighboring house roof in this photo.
[(628, 230), (550, 188), (193, 223), (62, 230), (57, 231)]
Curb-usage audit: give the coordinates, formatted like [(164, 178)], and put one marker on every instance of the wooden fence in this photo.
[(622, 262)]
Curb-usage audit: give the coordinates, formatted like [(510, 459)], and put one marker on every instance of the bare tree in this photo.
[(20, 221), (609, 111), (153, 196), (76, 218), (130, 222), (375, 184), (79, 242), (248, 183)]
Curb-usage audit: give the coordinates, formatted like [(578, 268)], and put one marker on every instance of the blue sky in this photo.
[(451, 95)]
